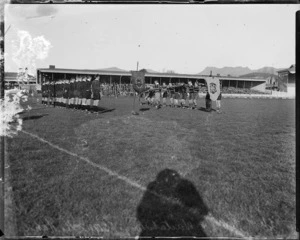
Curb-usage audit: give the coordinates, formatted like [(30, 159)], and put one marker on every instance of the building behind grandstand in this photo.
[(287, 79)]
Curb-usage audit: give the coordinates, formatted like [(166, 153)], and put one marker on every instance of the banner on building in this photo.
[(213, 87), (138, 80)]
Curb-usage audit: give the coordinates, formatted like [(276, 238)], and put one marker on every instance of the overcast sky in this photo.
[(183, 38)]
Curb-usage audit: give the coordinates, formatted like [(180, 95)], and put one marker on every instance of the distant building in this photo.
[(272, 83), (286, 80), (13, 79)]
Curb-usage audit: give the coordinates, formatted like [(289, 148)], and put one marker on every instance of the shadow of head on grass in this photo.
[(171, 207)]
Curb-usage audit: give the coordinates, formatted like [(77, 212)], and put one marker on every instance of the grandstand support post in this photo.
[(120, 79), (160, 81), (150, 80), (244, 84), (236, 85)]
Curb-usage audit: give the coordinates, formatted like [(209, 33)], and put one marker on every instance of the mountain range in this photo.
[(240, 71), (264, 72), (116, 69)]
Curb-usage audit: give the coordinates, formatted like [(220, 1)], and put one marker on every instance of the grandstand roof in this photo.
[(148, 74)]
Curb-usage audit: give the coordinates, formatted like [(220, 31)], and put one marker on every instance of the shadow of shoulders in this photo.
[(171, 207)]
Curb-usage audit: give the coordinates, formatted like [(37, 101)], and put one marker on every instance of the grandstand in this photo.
[(110, 77)]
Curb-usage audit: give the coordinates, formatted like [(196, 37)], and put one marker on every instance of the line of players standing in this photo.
[(82, 92), (180, 95)]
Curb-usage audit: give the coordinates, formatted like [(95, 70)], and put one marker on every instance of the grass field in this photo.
[(115, 174)]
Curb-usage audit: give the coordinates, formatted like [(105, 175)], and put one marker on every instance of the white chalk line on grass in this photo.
[(210, 218), (105, 169)]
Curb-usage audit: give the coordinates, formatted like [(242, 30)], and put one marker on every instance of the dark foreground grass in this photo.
[(238, 166)]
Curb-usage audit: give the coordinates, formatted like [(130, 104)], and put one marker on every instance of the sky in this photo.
[(181, 38)]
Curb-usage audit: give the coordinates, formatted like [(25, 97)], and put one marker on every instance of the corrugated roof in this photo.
[(84, 71), (148, 74)]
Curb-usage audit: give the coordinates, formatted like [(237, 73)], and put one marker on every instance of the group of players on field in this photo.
[(79, 93), (84, 92), (179, 95)]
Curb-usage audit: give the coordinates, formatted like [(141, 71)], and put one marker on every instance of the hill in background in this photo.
[(240, 71), (122, 70), (258, 75), (113, 69)]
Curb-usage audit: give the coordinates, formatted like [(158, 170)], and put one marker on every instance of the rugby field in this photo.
[(79, 174)]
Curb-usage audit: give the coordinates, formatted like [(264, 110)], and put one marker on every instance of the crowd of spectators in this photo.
[(116, 90), (233, 90)]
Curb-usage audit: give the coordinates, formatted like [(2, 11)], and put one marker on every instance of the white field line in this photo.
[(210, 218)]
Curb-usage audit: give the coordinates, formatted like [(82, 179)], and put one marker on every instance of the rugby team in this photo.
[(180, 95), (78, 93)]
